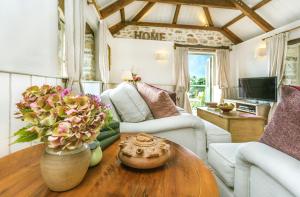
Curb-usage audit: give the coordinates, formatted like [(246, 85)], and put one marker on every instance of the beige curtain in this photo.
[(276, 53), (103, 54), (223, 74), (182, 78), (75, 30)]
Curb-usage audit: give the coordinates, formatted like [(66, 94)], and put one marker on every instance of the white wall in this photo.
[(28, 36), (243, 55), (139, 56), (28, 44)]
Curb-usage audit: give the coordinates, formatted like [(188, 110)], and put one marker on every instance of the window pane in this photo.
[(199, 67)]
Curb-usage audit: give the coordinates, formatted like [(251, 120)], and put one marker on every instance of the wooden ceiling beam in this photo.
[(114, 7), (262, 23), (230, 35), (208, 17), (117, 27), (180, 26), (226, 4), (257, 6), (143, 11), (226, 32), (176, 14), (122, 14), (93, 2)]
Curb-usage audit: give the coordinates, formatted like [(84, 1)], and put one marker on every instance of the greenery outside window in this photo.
[(200, 66)]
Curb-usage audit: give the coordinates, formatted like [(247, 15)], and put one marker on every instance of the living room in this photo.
[(150, 98)]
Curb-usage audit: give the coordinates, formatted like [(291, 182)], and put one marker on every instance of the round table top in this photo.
[(183, 175)]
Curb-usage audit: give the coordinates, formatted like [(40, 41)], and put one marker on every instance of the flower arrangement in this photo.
[(59, 118), (136, 77), (131, 77)]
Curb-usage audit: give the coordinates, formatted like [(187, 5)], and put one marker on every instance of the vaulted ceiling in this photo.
[(238, 20)]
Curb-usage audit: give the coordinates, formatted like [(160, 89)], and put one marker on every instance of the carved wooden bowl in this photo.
[(144, 151)]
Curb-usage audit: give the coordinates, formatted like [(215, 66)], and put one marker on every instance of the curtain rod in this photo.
[(282, 32), (199, 46)]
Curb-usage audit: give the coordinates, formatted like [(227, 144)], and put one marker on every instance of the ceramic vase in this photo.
[(64, 170)]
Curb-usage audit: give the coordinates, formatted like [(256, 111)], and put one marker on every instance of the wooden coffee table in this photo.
[(184, 175)]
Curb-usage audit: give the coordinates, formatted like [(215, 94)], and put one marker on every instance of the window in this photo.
[(200, 66)]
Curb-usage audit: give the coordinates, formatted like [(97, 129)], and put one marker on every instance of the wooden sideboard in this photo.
[(244, 127)]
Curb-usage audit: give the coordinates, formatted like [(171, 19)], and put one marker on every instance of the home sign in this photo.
[(149, 35)]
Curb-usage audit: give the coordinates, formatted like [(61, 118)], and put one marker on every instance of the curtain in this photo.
[(75, 31), (276, 53), (103, 54), (182, 78), (223, 73)]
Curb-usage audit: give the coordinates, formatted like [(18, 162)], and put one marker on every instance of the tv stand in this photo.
[(250, 107)]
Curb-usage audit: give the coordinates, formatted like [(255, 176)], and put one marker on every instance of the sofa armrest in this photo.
[(280, 166), (163, 124)]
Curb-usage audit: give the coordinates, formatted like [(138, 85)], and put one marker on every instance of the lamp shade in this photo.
[(127, 75)]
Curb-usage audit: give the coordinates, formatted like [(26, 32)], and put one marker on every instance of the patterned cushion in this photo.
[(171, 94), (130, 105), (283, 132), (159, 102)]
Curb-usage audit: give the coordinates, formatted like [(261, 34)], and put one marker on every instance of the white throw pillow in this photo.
[(105, 98), (130, 105)]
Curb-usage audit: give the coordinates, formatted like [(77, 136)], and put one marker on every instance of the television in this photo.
[(258, 88)]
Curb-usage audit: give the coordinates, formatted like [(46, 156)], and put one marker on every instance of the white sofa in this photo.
[(254, 170), (184, 129)]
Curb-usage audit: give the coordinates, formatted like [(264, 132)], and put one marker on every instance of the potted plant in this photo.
[(66, 123)]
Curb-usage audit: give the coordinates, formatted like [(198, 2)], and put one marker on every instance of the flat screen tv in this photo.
[(260, 88)]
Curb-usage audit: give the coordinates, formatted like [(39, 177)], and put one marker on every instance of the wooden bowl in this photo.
[(144, 151), (227, 108)]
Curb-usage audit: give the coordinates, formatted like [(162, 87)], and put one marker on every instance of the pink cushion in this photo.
[(297, 87), (283, 132), (159, 102), (171, 94)]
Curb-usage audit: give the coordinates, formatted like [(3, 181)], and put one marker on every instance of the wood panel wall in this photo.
[(12, 85)]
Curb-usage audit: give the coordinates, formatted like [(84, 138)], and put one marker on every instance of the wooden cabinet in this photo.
[(244, 127)]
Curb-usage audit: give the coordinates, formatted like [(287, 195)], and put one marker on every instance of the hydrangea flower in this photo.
[(59, 118)]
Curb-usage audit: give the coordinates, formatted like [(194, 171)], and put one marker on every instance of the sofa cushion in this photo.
[(297, 87), (105, 98), (130, 105), (215, 134), (159, 102), (283, 132), (221, 157), (171, 94)]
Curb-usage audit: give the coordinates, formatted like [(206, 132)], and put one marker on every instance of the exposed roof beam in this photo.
[(226, 32), (117, 27), (122, 13), (114, 7), (143, 11), (226, 4), (230, 35), (93, 2), (176, 14), (208, 17), (264, 25), (257, 6), (173, 26)]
